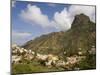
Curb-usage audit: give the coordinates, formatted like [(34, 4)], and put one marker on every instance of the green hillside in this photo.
[(80, 36)]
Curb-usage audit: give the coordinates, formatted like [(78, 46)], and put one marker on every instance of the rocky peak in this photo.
[(80, 19)]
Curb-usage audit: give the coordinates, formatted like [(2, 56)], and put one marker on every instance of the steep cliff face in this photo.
[(81, 36)]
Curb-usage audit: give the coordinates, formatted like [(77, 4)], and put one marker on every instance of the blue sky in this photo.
[(32, 19)]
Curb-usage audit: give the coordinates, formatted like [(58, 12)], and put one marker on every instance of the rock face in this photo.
[(81, 35), (80, 20)]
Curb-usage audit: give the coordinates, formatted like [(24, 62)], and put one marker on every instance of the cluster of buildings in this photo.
[(18, 54)]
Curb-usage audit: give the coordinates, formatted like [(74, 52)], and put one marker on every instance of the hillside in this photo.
[(81, 36)]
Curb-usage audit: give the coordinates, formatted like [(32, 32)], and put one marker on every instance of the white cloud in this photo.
[(33, 14), (13, 3), (87, 10), (20, 37), (61, 20), (20, 34)]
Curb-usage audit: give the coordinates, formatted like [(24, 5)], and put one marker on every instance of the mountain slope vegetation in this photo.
[(81, 36)]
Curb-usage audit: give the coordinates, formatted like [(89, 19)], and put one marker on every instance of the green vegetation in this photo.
[(33, 67), (88, 63)]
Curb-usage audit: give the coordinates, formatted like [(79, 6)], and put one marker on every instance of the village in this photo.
[(49, 60)]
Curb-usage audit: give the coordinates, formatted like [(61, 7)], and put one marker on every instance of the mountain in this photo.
[(46, 44), (81, 37)]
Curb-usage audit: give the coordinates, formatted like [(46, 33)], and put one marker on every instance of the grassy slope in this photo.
[(33, 67)]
